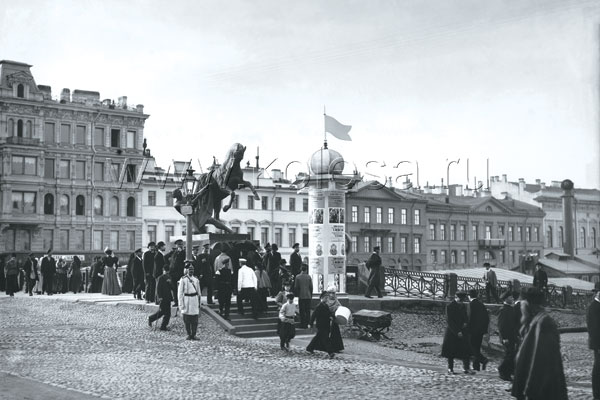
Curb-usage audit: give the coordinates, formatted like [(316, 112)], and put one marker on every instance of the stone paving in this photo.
[(109, 351)]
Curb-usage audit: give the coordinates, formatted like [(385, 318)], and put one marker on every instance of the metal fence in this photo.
[(426, 285)]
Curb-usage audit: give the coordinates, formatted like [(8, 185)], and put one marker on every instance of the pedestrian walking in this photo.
[(303, 288), (374, 267), (456, 344), (164, 295), (97, 272), (11, 270), (31, 273), (48, 271), (224, 281), (263, 286), (321, 318), (246, 286), (335, 336), (540, 280), (110, 283), (295, 260), (287, 315), (150, 281), (507, 329), (273, 270), (128, 281), (207, 272), (479, 321), (138, 274), (539, 373), (593, 325), (177, 264), (189, 301), (159, 263), (61, 284), (491, 283), (75, 272)]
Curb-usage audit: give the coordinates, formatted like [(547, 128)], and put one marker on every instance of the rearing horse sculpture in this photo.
[(213, 187)]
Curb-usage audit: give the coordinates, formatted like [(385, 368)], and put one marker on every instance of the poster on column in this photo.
[(336, 199), (335, 265), (317, 240), (316, 198), (316, 265)]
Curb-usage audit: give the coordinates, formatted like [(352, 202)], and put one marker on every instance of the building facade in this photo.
[(377, 215), (466, 231), (549, 198), (70, 168)]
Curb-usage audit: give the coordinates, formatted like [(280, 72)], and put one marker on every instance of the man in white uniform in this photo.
[(188, 294)]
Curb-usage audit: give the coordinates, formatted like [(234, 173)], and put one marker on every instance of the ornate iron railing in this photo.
[(434, 286)]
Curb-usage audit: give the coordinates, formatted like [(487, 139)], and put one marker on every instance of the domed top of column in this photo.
[(326, 161)]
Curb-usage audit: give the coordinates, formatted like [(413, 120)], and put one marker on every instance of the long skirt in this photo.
[(75, 283), (320, 342), (335, 338), (110, 284), (12, 284)]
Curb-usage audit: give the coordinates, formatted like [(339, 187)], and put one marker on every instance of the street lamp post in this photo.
[(448, 173), (189, 183)]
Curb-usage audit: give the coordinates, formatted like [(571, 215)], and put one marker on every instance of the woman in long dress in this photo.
[(97, 273), (335, 337), (110, 284), (75, 271)]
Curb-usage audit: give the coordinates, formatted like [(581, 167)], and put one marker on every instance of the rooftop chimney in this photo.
[(65, 96), (504, 179), (122, 102)]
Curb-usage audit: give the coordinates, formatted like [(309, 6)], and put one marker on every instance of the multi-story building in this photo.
[(549, 198), (466, 230), (377, 215), (69, 170)]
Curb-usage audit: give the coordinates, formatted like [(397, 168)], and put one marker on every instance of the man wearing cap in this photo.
[(164, 296), (456, 344), (491, 282), (539, 372), (593, 325), (507, 329), (479, 321), (374, 266), (303, 287), (177, 265), (295, 260), (206, 273), (148, 263), (224, 283), (246, 285), (159, 263), (48, 270), (31, 274), (138, 275), (189, 301)]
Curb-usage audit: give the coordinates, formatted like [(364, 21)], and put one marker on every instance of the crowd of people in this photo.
[(532, 358)]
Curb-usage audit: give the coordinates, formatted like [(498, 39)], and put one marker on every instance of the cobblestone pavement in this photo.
[(109, 351)]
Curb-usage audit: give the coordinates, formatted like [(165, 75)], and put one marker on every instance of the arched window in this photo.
[(549, 236), (20, 128), (114, 206), (561, 236), (64, 205), (131, 207), (80, 205), (49, 204), (20, 90), (11, 127), (28, 132), (98, 206), (594, 239), (582, 238)]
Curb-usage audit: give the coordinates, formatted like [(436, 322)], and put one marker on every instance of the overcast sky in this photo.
[(427, 81)]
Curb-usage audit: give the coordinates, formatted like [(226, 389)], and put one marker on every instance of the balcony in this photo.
[(491, 243), (23, 141)]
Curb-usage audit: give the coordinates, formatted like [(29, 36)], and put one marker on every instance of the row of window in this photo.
[(582, 238), (379, 215), (457, 257), (386, 245), (25, 203), (20, 240), (27, 165), (444, 234)]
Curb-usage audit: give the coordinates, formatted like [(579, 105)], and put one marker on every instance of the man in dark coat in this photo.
[(48, 270), (12, 275), (477, 326), (31, 273), (374, 266), (206, 273), (593, 325), (137, 272), (540, 279), (273, 270), (507, 327), (148, 263), (491, 283), (303, 288), (539, 373), (177, 265), (321, 317), (455, 344), (97, 272), (295, 260), (159, 263), (164, 295)]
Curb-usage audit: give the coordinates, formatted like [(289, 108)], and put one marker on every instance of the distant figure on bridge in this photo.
[(539, 373), (491, 283), (540, 280), (374, 266)]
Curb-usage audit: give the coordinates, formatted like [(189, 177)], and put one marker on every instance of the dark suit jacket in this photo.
[(159, 262), (593, 324), (148, 261), (479, 318), (163, 288), (374, 266), (28, 266), (295, 263), (507, 325), (137, 270), (48, 266), (540, 279)]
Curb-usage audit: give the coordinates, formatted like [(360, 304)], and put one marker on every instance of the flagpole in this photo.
[(324, 127)]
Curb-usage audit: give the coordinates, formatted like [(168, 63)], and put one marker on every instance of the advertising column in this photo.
[(327, 252)]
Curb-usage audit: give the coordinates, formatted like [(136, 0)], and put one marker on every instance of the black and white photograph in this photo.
[(367, 199)]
